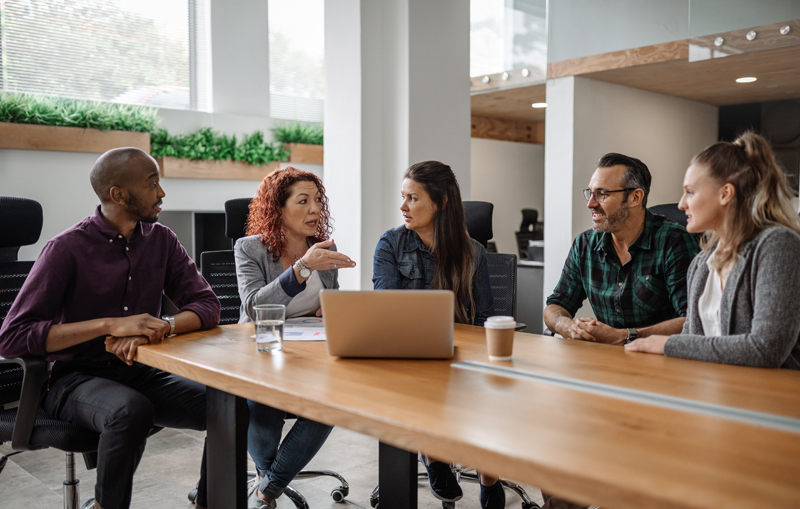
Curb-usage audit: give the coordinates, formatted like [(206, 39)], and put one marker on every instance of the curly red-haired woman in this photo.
[(287, 258)]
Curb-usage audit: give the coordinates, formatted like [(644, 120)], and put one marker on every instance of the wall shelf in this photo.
[(68, 139), (172, 167)]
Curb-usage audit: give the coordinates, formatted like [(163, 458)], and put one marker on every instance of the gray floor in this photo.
[(169, 469)]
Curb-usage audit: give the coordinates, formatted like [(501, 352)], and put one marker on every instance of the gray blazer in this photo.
[(760, 308), (262, 281)]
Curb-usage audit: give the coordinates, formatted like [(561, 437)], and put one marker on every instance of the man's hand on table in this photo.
[(601, 332), (154, 329), (125, 347)]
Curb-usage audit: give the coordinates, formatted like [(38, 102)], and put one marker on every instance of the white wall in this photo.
[(511, 176), (588, 118)]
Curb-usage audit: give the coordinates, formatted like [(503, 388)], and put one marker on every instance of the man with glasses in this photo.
[(631, 265)]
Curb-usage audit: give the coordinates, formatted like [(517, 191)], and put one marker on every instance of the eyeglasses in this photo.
[(600, 196)]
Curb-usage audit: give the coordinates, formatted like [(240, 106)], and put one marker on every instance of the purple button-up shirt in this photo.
[(91, 271)]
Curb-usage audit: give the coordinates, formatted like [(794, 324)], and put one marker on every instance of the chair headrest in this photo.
[(479, 220), (20, 221), (236, 211), (529, 219)]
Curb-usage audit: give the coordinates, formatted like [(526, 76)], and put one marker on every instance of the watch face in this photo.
[(304, 272)]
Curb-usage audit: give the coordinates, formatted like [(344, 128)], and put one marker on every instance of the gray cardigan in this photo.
[(262, 281), (759, 311)]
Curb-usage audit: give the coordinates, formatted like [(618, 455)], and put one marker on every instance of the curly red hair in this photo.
[(265, 208)]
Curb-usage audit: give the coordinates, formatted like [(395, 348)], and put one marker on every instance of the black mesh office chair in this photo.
[(479, 220), (670, 211), (219, 269), (22, 421)]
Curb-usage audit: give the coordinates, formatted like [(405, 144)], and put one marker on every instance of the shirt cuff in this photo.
[(289, 283)]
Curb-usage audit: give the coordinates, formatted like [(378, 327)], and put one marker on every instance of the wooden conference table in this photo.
[(567, 421)]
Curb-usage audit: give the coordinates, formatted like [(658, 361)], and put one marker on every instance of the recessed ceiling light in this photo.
[(748, 79), (539, 105)]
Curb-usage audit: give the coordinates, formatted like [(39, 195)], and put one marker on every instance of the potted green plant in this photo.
[(304, 141), (37, 122)]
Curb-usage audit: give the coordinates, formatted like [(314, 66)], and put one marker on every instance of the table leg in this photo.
[(397, 477), (227, 450)]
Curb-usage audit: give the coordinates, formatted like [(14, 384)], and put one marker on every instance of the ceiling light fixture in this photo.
[(747, 79), (539, 105)]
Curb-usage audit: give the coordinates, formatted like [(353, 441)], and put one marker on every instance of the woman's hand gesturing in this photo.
[(320, 257)]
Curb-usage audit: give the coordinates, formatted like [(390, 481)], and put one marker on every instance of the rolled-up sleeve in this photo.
[(38, 304), (188, 289)]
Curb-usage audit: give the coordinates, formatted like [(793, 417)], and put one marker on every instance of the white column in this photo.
[(397, 92)]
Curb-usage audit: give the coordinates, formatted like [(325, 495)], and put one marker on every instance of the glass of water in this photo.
[(269, 320)]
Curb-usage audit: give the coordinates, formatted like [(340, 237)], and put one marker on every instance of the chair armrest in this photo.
[(520, 327), (34, 371)]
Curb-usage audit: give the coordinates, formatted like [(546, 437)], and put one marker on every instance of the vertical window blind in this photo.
[(153, 52), (296, 58)]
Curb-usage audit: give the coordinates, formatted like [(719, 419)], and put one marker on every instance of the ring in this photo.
[(335, 266)]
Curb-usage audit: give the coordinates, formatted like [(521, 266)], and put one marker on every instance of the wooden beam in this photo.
[(676, 50), (509, 130)]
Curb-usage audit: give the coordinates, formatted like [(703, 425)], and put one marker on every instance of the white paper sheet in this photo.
[(304, 328)]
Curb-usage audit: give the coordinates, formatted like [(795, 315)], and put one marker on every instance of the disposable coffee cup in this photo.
[(500, 337)]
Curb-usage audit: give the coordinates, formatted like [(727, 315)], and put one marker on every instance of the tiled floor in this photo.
[(169, 469)]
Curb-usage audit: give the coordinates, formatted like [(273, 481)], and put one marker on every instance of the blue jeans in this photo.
[(278, 463)]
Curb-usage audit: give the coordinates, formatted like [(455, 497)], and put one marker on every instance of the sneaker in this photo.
[(493, 497), (443, 482)]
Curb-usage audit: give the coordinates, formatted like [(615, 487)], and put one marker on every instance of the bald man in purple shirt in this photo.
[(100, 283)]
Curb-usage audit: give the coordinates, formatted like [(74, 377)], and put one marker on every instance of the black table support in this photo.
[(397, 477), (227, 417)]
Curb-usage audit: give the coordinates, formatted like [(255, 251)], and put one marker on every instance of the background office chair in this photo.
[(219, 269), (529, 229), (670, 211), (22, 421), (479, 220)]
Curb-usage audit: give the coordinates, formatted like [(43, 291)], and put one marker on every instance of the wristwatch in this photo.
[(171, 321), (303, 269), (632, 334)]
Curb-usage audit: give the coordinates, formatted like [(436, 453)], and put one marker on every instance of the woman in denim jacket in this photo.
[(433, 250), (287, 259)]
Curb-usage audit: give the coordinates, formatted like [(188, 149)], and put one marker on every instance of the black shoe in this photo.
[(493, 497), (443, 482)]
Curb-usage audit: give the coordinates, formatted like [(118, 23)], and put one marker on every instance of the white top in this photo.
[(708, 305), (306, 303)]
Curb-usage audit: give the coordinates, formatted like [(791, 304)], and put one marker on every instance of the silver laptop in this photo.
[(395, 324)]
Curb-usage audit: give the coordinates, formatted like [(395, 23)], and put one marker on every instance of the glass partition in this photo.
[(708, 17)]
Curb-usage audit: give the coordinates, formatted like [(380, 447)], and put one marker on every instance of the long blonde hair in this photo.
[(762, 195)]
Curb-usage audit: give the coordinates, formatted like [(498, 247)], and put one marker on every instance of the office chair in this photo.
[(529, 229), (503, 279), (670, 211), (22, 421), (219, 269)]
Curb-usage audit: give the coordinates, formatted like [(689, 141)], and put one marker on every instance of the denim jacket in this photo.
[(402, 261)]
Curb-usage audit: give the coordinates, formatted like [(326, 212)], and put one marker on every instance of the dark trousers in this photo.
[(124, 403)]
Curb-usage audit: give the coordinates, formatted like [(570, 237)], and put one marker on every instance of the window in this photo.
[(508, 34), (296, 58), (152, 52)]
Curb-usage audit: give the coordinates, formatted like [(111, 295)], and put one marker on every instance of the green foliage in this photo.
[(209, 145), (58, 111), (298, 133)]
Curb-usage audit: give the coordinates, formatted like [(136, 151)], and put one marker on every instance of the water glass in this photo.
[(269, 319)]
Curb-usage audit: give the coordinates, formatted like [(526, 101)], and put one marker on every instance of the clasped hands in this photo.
[(589, 329), (127, 333)]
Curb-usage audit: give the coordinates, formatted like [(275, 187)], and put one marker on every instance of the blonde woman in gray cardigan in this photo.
[(743, 306)]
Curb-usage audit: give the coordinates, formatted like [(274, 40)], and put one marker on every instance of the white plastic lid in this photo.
[(500, 322)]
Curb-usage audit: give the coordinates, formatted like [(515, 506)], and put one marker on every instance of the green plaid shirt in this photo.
[(649, 289)]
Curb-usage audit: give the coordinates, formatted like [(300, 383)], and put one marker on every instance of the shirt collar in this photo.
[(413, 242), (643, 241), (109, 232)]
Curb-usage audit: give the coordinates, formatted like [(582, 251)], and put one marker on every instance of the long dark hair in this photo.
[(762, 195), (452, 247)]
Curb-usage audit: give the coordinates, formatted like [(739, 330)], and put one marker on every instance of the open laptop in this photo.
[(395, 324)]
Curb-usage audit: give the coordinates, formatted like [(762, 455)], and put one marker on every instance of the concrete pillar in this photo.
[(396, 93)]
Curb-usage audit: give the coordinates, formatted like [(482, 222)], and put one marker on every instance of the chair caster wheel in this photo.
[(193, 495), (339, 493), (448, 505)]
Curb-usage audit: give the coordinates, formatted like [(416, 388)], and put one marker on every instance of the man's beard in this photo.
[(137, 208), (614, 222)]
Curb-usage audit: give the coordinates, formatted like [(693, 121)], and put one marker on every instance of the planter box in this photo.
[(68, 139), (172, 167), (304, 153)]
